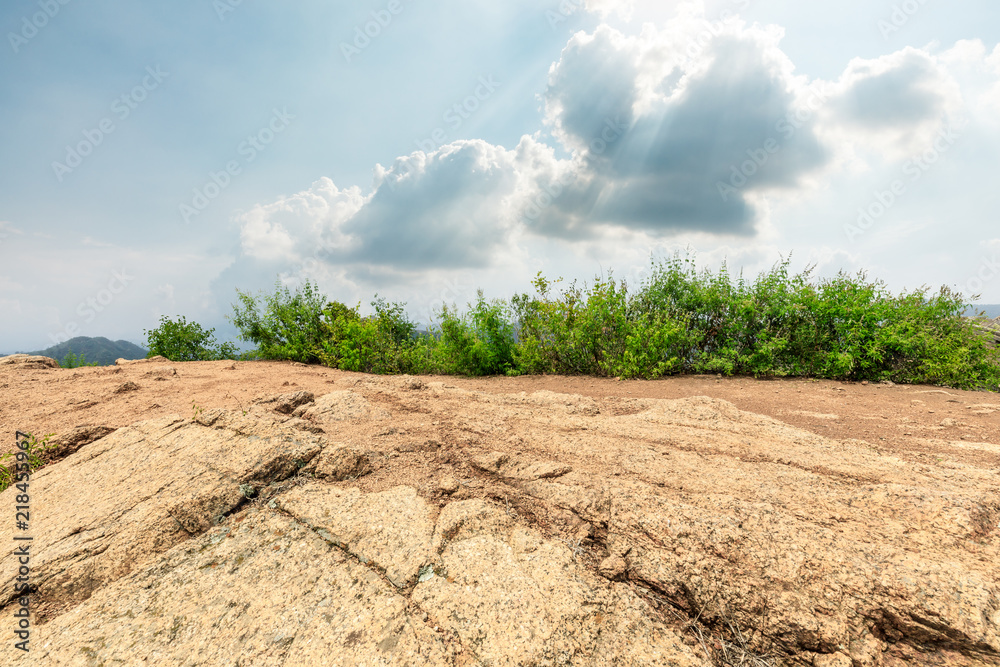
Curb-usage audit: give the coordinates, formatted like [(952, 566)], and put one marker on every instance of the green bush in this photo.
[(376, 344), (482, 342), (679, 320), (180, 340), (283, 325), (75, 360), (845, 328), (574, 334), (595, 331), (652, 349)]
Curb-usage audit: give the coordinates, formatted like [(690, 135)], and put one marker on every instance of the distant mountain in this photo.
[(992, 310), (101, 350)]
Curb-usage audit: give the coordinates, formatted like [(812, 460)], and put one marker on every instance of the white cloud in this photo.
[(893, 105), (293, 226), (452, 207), (685, 133), (986, 76), (701, 134)]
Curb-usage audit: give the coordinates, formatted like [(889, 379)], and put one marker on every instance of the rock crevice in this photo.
[(570, 541)]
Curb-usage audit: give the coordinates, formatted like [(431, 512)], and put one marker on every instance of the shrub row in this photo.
[(679, 320)]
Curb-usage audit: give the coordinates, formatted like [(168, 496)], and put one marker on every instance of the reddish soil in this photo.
[(917, 423)]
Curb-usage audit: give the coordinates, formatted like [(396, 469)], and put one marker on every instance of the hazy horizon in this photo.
[(992, 310)]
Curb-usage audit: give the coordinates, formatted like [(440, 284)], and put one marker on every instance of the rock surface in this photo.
[(138, 362), (342, 405), (139, 491), (340, 463), (70, 442), (287, 403), (27, 361), (435, 525)]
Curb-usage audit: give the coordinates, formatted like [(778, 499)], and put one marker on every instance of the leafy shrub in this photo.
[(652, 348), (845, 328), (376, 344), (480, 343), (181, 340), (283, 325), (563, 335), (679, 320), (75, 360), (594, 331)]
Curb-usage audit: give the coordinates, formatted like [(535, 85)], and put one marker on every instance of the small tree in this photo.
[(181, 340), (285, 325), (75, 360)]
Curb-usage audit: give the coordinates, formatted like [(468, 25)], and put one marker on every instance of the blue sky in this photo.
[(153, 159)]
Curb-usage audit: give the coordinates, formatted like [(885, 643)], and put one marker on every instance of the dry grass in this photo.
[(725, 645), (732, 652)]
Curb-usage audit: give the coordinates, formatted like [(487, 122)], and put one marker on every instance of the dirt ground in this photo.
[(917, 423), (866, 534)]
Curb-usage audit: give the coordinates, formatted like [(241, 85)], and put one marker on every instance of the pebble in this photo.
[(448, 485)]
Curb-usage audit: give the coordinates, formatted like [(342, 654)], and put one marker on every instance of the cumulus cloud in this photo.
[(980, 70), (666, 142), (895, 103), (884, 95), (449, 208), (688, 129), (993, 63), (593, 82), (656, 137), (293, 226)]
